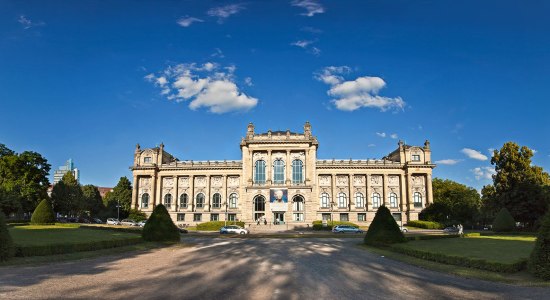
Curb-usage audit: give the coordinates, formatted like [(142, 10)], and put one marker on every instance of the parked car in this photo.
[(83, 220), (183, 230), (451, 229), (128, 222), (113, 221), (233, 229), (141, 223), (62, 220), (346, 229), (97, 221), (403, 229), (72, 220)]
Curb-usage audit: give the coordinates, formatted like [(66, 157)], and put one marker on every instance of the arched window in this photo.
[(259, 177), (184, 201), (417, 199), (168, 201), (393, 200), (233, 200), (342, 200), (359, 200), (297, 167), (375, 200), (279, 171), (199, 200), (298, 203), (217, 200), (145, 200), (324, 200), (259, 203)]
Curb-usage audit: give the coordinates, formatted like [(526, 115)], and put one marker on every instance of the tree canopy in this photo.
[(93, 203), (67, 196)]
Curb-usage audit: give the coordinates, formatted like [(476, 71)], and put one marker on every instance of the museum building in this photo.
[(280, 180)]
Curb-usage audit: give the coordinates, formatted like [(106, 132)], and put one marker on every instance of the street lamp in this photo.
[(331, 209), (118, 209)]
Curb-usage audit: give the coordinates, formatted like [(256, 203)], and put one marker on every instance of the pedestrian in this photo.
[(258, 223), (265, 221)]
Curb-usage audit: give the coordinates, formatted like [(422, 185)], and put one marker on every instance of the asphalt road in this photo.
[(216, 268)]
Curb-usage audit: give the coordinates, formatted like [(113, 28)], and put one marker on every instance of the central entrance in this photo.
[(278, 218)]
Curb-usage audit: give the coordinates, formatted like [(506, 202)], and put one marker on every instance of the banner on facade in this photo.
[(278, 199)]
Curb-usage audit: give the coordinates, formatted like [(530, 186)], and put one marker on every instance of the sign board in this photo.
[(278, 199)]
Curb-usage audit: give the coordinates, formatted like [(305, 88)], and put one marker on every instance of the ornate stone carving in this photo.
[(259, 155), (393, 180), (358, 180), (184, 181), (145, 181), (298, 155), (324, 180), (418, 180), (200, 181), (376, 180), (233, 181), (168, 182), (278, 155), (216, 181), (341, 180)]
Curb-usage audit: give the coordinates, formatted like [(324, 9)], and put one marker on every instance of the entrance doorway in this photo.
[(278, 218)]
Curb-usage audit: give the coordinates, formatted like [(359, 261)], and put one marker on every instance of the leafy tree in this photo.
[(383, 230), (160, 226), (6, 242), (43, 214), (92, 200), (518, 185), (137, 215), (67, 196), (539, 263), (9, 202), (453, 203), (121, 193), (504, 221)]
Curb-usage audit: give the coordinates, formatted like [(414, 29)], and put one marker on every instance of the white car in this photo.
[(113, 221), (128, 222), (141, 223), (346, 228), (233, 229), (403, 229)]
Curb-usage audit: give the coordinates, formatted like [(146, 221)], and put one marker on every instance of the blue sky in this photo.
[(88, 80)]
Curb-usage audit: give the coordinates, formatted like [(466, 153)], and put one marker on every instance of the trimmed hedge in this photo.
[(539, 263), (44, 250), (6, 242), (119, 229), (217, 225), (318, 225), (43, 214), (504, 221), (431, 237), (425, 224), (463, 261), (384, 230), (160, 226)]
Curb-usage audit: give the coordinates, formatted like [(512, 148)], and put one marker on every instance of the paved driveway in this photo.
[(216, 268)]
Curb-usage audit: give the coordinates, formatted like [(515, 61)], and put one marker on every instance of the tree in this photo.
[(160, 226), (137, 215), (504, 221), (121, 193), (539, 263), (43, 214), (453, 203), (92, 200), (6, 242), (9, 202), (67, 196), (518, 185), (384, 230)]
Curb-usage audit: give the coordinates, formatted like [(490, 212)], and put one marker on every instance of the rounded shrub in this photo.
[(539, 263), (383, 229), (159, 226), (6, 243), (504, 221), (43, 213)]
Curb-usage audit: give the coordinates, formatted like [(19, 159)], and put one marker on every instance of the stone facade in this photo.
[(280, 180)]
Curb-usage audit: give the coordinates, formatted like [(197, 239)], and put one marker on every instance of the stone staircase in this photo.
[(254, 228)]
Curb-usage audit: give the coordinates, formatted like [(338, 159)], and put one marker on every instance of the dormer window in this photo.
[(147, 160), (416, 157)]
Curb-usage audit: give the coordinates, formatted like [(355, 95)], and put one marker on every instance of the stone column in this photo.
[(154, 190), (410, 203), (403, 193), (159, 190), (191, 194), (368, 204), (429, 192), (351, 203), (207, 195), (135, 193), (333, 196), (385, 190), (176, 193), (288, 169), (224, 193), (268, 168)]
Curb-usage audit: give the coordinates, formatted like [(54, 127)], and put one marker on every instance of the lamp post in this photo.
[(225, 204), (118, 209), (331, 209)]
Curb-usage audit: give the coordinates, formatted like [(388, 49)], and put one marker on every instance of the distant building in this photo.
[(104, 190), (61, 171)]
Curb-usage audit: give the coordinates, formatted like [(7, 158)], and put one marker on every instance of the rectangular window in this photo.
[(181, 217), (298, 217), (344, 217), (396, 216), (325, 217), (197, 217), (147, 160), (416, 157), (231, 217), (214, 217), (362, 217)]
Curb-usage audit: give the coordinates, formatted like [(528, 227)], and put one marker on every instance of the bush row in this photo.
[(431, 237), (425, 224), (463, 261), (119, 229), (42, 250), (318, 225), (217, 225)]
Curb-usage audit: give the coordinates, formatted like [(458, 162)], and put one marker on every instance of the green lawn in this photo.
[(62, 234), (502, 249)]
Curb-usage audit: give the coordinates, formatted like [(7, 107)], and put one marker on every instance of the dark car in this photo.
[(451, 229), (183, 230), (97, 221)]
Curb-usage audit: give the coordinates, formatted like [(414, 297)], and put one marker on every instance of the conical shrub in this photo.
[(6, 243), (504, 221), (384, 230), (539, 263), (159, 226), (43, 213)]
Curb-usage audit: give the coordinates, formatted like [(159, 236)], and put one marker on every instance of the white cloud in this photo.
[(312, 7), (483, 172), (224, 12), (302, 43), (474, 154), (187, 21), (393, 136), (217, 53), (315, 51), (28, 23), (448, 161), (248, 81), (204, 86), (381, 134), (371, 145), (354, 94)]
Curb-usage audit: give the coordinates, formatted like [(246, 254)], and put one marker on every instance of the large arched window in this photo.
[(233, 200), (216, 200), (145, 200), (375, 200), (359, 200), (259, 203), (184, 200), (393, 200), (298, 203), (417, 199), (297, 167), (199, 201), (279, 171), (168, 201), (324, 200), (259, 176), (342, 200)]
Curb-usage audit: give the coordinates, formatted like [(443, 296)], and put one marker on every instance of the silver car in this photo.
[(128, 222), (346, 229), (233, 229), (113, 221)]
